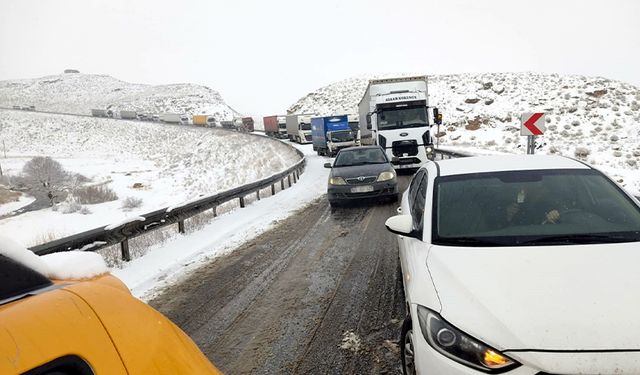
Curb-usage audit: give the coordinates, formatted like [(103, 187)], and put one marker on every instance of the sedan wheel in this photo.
[(406, 348)]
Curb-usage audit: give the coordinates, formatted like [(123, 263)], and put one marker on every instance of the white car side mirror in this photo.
[(400, 224)]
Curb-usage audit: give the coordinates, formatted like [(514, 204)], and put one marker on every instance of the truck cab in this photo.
[(282, 126), (299, 128), (396, 115), (331, 134)]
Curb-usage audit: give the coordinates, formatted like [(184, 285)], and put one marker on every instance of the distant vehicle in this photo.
[(331, 134), (32, 108), (128, 115), (109, 113), (361, 173), (155, 118), (299, 128), (247, 125), (275, 126), (395, 114), (17, 107), (72, 327), (228, 124), (142, 117), (211, 121), (172, 118), (99, 113), (199, 120), (504, 258), (184, 120)]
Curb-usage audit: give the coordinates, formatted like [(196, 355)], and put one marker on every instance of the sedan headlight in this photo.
[(386, 176), (337, 181), (460, 347)]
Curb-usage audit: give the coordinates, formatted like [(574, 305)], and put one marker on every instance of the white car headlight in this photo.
[(460, 347), (337, 181), (386, 176)]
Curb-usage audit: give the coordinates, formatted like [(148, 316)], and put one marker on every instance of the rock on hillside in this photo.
[(79, 93)]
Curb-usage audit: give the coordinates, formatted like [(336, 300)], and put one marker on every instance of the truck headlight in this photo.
[(337, 181), (429, 149), (460, 347), (386, 176)]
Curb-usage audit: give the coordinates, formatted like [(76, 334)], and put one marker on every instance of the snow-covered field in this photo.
[(79, 93), (594, 119), (167, 164)]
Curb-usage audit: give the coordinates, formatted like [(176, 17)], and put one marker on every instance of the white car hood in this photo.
[(580, 297)]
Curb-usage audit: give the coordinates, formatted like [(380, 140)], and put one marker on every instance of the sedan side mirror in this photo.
[(401, 225), (327, 165)]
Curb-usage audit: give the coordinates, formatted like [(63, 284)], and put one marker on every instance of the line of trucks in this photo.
[(393, 113), (239, 123)]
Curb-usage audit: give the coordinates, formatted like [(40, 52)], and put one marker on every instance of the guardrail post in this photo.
[(282, 184), (241, 202), (124, 250), (295, 179), (258, 194), (273, 189), (215, 211), (181, 226), (289, 179)]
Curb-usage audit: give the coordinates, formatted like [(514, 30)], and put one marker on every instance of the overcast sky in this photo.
[(262, 55)]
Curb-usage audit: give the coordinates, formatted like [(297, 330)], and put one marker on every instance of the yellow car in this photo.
[(86, 327)]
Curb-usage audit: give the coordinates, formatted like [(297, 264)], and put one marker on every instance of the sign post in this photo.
[(533, 124)]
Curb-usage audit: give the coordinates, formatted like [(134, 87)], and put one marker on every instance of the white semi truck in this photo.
[(299, 128), (395, 114)]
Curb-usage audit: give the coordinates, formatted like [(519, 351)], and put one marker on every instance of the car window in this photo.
[(413, 185), (17, 280), (533, 207), (418, 205)]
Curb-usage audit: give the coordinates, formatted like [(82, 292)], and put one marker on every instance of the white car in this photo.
[(525, 265)]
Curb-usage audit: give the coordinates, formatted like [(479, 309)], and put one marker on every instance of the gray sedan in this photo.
[(361, 173)]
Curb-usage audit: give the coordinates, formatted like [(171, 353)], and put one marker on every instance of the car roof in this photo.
[(503, 163)]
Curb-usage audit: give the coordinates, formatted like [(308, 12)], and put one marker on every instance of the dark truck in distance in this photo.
[(332, 133)]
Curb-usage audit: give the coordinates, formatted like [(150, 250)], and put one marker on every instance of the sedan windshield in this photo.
[(551, 207), (347, 158)]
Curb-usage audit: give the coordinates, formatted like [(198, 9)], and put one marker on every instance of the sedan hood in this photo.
[(360, 170), (584, 297)]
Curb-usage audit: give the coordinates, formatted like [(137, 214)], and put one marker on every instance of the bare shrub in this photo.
[(70, 206), (130, 203), (45, 179), (94, 194), (44, 238), (85, 210)]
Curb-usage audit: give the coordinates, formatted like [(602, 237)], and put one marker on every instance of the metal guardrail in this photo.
[(110, 235)]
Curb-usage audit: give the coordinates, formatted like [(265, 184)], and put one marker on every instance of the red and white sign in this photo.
[(533, 124)]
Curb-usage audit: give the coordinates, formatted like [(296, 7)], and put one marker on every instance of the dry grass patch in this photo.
[(7, 196)]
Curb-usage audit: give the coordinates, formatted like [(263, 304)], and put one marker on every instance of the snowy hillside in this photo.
[(594, 119), (79, 93), (159, 164)]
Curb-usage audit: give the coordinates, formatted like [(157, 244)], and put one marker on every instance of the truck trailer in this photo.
[(299, 128), (172, 118), (128, 115), (395, 114), (275, 126), (200, 120), (247, 125), (99, 113), (332, 133)]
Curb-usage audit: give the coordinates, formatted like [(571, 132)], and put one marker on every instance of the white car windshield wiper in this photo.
[(571, 239)]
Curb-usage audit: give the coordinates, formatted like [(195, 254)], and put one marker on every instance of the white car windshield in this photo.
[(532, 207)]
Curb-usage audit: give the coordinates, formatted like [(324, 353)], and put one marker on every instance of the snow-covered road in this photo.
[(165, 263)]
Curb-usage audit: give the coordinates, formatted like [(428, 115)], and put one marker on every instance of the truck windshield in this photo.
[(282, 125), (402, 117), (304, 126), (539, 207), (342, 136)]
